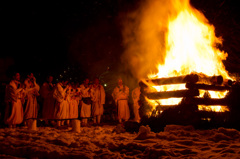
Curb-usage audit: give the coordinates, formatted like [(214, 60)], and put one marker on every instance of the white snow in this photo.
[(108, 142)]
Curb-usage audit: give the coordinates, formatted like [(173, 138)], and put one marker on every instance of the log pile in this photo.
[(193, 84)]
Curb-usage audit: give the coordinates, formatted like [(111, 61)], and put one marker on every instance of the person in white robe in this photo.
[(120, 95), (61, 105), (79, 98), (68, 99), (73, 103), (31, 104), (98, 99), (135, 97), (46, 92), (13, 100), (85, 113)]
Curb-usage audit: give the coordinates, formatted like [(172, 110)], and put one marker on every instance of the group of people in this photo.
[(64, 101)]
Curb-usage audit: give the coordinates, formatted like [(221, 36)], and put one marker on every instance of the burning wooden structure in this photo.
[(190, 76), (194, 98)]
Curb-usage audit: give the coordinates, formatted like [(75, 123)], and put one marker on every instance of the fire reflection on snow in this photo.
[(103, 142)]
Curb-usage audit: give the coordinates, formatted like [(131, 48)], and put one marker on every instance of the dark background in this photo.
[(83, 39)]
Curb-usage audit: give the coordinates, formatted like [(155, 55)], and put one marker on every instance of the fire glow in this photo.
[(191, 46), (170, 39)]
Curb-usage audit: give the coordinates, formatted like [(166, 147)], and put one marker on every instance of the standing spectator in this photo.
[(79, 98), (46, 93), (61, 105), (68, 99), (85, 113), (120, 95), (98, 99), (32, 91), (14, 109), (135, 97), (73, 103)]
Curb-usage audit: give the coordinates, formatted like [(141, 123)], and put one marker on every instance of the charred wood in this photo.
[(216, 80), (227, 82), (174, 80), (142, 84), (207, 87), (164, 107), (191, 78), (172, 94), (210, 101)]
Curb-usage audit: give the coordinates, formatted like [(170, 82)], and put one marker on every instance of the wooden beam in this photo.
[(209, 101), (191, 78), (207, 87), (174, 80), (227, 82), (164, 107), (172, 94), (217, 80)]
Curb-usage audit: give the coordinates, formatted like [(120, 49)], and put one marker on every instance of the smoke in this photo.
[(144, 33)]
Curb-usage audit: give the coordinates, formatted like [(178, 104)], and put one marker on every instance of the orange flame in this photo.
[(187, 43), (191, 46)]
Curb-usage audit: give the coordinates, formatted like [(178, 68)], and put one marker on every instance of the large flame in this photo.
[(189, 45)]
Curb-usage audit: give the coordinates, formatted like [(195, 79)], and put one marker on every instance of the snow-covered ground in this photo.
[(108, 141)]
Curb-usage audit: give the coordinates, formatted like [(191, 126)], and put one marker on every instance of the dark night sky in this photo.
[(50, 37), (47, 38)]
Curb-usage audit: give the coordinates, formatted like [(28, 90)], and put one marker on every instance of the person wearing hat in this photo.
[(86, 101), (13, 99), (120, 95), (31, 104), (61, 107), (98, 99), (46, 92)]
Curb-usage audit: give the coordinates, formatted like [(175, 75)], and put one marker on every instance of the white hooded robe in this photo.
[(136, 96), (46, 92), (14, 109), (85, 108), (61, 105), (120, 96), (31, 109), (98, 98)]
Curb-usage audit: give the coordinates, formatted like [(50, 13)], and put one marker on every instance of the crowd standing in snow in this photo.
[(64, 101)]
